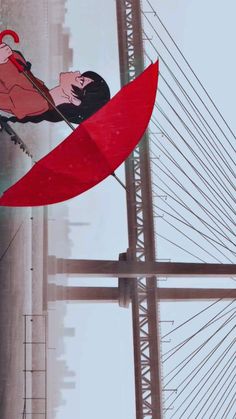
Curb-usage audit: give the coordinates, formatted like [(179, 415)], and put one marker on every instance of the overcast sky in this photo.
[(101, 352)]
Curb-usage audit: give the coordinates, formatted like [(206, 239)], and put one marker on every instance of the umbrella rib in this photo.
[(113, 173)]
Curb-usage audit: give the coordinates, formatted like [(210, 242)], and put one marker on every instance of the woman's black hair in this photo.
[(94, 95)]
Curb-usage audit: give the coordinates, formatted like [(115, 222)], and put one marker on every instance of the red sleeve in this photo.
[(5, 102), (26, 102)]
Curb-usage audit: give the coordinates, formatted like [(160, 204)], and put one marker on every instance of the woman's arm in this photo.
[(21, 99), (24, 102)]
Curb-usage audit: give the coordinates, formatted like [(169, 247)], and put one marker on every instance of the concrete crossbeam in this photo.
[(134, 269)]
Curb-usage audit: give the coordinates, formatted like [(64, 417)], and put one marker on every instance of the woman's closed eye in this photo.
[(80, 81)]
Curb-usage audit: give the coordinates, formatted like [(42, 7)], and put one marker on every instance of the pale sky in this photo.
[(101, 352)]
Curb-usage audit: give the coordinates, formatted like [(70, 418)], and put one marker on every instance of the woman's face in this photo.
[(75, 78)]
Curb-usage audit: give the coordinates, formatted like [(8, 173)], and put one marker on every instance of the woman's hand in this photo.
[(5, 52)]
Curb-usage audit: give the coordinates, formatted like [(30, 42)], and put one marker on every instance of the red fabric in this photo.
[(17, 94), (93, 151)]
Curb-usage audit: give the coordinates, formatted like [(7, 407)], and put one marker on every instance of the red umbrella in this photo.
[(92, 151)]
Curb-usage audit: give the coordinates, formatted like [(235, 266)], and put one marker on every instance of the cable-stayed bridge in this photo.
[(180, 198), (181, 195)]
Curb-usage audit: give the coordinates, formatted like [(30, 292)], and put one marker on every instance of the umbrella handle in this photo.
[(15, 36)]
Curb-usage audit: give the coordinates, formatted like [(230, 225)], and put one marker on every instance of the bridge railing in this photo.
[(35, 366)]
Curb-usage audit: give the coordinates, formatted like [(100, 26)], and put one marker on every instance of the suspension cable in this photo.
[(199, 97), (191, 69), (196, 110)]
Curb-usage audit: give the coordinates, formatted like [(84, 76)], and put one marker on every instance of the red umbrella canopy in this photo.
[(93, 151)]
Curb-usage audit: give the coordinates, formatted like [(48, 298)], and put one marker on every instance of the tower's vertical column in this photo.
[(141, 228)]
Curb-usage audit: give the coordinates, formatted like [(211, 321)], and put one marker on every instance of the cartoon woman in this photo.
[(77, 96)]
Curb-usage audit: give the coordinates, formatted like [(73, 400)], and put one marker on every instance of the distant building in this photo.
[(62, 369), (61, 55), (67, 385), (69, 331)]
